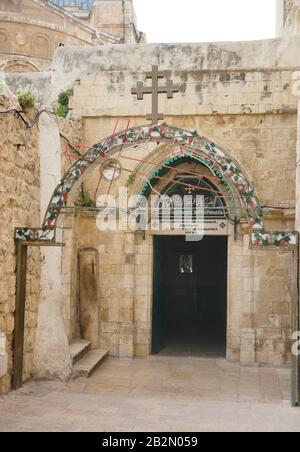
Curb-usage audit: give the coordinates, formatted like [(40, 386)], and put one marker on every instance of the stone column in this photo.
[(297, 223), (127, 327), (248, 333), (52, 355), (296, 302)]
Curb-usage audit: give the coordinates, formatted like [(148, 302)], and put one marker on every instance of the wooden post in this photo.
[(296, 327), (21, 272)]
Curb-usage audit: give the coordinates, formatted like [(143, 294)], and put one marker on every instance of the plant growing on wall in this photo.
[(63, 103), (131, 179), (28, 98), (84, 199)]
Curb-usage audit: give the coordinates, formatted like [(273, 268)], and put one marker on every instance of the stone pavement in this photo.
[(157, 394)]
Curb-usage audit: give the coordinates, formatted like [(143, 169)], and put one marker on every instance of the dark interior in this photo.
[(190, 297)]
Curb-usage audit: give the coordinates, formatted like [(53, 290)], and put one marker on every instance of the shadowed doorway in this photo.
[(190, 297)]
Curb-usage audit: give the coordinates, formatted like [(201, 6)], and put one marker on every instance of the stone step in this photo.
[(79, 348), (86, 366)]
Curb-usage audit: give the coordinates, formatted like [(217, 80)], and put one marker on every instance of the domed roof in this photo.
[(81, 4)]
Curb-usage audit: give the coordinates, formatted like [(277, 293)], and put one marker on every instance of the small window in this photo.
[(186, 264)]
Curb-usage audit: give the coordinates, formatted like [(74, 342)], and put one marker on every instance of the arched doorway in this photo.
[(189, 305)]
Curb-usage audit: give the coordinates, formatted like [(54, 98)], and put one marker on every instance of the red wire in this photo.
[(182, 183), (166, 166), (115, 129), (172, 168), (119, 155)]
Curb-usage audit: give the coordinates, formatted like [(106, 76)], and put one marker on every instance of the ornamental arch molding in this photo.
[(19, 65), (192, 145)]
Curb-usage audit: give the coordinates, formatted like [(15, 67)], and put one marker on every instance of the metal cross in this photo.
[(155, 90)]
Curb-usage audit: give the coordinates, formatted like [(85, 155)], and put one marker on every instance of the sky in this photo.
[(206, 20)]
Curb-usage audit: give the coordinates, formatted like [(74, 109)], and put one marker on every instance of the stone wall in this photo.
[(72, 130), (288, 17), (19, 206)]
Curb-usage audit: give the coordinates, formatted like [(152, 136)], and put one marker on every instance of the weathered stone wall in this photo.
[(288, 17), (72, 130), (19, 206)]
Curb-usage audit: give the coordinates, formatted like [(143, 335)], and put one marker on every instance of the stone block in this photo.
[(142, 350), (247, 347), (280, 308)]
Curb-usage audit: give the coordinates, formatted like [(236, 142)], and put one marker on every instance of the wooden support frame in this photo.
[(21, 275), (295, 380)]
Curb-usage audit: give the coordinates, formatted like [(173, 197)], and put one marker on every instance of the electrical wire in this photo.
[(27, 124)]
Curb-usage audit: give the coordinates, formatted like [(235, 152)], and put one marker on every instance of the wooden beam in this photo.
[(21, 273), (48, 243), (296, 327)]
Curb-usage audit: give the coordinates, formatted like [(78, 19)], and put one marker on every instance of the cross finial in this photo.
[(155, 90)]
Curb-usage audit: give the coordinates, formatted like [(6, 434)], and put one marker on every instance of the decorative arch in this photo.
[(172, 162), (221, 163), (19, 65)]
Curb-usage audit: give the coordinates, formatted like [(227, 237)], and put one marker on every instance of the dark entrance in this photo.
[(190, 296)]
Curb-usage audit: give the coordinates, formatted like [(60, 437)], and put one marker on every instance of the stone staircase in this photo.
[(85, 360)]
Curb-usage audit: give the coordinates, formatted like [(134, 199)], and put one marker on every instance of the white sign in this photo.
[(216, 227), (209, 227)]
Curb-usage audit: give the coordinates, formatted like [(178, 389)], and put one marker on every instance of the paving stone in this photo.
[(162, 394)]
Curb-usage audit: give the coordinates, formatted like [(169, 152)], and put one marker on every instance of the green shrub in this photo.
[(131, 179), (28, 98), (63, 103), (84, 200), (62, 111), (64, 97)]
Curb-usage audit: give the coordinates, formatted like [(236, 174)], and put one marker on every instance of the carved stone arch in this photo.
[(158, 182), (19, 65), (219, 160)]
